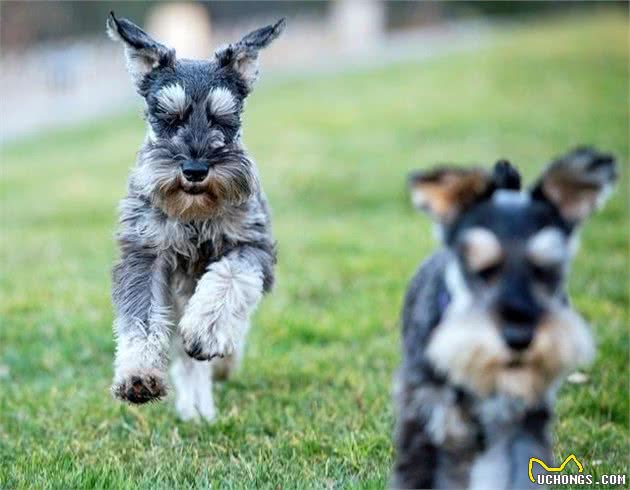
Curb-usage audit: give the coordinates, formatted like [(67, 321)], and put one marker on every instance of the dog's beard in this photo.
[(467, 346), (231, 180)]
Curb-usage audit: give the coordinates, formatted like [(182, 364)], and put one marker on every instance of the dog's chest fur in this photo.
[(190, 246)]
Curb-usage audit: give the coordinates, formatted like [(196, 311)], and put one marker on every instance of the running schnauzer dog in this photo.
[(487, 329), (195, 240)]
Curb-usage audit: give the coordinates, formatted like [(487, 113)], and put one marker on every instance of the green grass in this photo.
[(311, 407)]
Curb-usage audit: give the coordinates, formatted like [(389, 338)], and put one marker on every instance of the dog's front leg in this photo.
[(509, 445), (142, 325), (217, 315), (531, 440)]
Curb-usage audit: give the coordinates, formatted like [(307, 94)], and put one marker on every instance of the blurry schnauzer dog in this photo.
[(487, 329), (195, 240)]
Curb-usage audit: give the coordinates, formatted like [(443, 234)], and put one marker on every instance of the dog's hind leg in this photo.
[(193, 386), (224, 368)]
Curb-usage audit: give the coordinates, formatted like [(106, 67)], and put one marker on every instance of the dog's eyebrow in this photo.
[(481, 248), (547, 247), (172, 98), (221, 101)]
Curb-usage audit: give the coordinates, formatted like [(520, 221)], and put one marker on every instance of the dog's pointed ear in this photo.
[(577, 183), (242, 56), (447, 191), (143, 53)]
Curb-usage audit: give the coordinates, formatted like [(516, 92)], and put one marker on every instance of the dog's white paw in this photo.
[(185, 408), (191, 410), (213, 341), (207, 411), (216, 315), (193, 387), (139, 386)]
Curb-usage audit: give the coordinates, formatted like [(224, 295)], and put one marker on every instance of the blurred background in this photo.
[(58, 66), (352, 97)]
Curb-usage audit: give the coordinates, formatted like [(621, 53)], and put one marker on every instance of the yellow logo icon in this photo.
[(570, 457)]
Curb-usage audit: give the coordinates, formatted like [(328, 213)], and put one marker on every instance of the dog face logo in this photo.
[(508, 327), (557, 469), (192, 162)]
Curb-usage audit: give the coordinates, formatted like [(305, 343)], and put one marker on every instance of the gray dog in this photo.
[(487, 330), (195, 239)]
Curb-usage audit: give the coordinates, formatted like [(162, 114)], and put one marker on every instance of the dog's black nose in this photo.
[(194, 170), (519, 322), (519, 313), (518, 336)]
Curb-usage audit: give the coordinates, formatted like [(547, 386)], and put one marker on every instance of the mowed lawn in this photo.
[(311, 407)]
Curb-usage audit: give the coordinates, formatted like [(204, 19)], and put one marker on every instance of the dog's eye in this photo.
[(547, 274), (490, 273), (173, 120), (228, 124), (181, 117), (212, 118)]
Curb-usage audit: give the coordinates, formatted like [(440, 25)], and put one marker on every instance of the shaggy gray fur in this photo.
[(196, 249)]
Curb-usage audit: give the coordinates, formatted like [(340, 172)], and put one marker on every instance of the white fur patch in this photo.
[(217, 139), (112, 32), (510, 198), (221, 102), (150, 136), (141, 353), (481, 248), (218, 312), (138, 66), (249, 68), (172, 99), (461, 298), (548, 247), (192, 381), (419, 198)]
